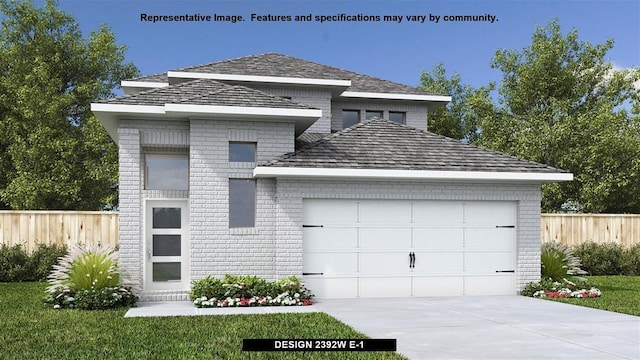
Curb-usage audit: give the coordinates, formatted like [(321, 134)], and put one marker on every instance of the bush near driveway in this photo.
[(608, 258), (28, 330)]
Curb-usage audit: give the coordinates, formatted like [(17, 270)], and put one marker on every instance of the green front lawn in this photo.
[(28, 330), (619, 293)]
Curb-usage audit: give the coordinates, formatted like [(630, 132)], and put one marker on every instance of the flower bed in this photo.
[(568, 293), (548, 288), (247, 291)]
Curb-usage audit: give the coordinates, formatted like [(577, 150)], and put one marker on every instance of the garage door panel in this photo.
[(384, 263), (323, 212), (437, 212), (438, 263), (488, 262), (489, 213), (385, 287), (329, 238), (376, 212), (438, 286), (438, 238), (326, 287), (384, 238), (332, 263), (490, 285), (489, 239)]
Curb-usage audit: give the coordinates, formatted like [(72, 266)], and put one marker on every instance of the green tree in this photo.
[(54, 153), (561, 103), (460, 119)]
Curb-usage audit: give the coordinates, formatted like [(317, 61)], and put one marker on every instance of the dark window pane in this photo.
[(166, 218), (166, 245), (372, 114), (245, 152), (168, 271), (397, 117), (349, 118), (167, 172), (242, 203)]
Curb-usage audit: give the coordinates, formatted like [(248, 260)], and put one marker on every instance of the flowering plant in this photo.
[(567, 293), (88, 278), (548, 288), (236, 291)]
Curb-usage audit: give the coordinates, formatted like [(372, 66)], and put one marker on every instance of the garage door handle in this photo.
[(304, 226), (312, 273), (505, 271), (412, 260), (506, 226)]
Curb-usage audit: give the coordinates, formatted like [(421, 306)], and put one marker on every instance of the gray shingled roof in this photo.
[(383, 144), (206, 92), (273, 64)]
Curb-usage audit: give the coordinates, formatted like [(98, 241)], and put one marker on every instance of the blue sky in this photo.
[(392, 51)]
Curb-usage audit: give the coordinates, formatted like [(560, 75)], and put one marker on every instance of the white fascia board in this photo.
[(131, 109), (143, 84), (242, 110), (261, 79), (293, 172), (390, 96)]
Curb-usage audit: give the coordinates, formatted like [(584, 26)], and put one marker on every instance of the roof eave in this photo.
[(388, 174), (109, 114), (395, 96), (236, 78)]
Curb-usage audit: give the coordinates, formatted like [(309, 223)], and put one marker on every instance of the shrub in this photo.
[(86, 267), (549, 288), (87, 278), (557, 262), (631, 260), (234, 290), (601, 259), (43, 259), (14, 263)]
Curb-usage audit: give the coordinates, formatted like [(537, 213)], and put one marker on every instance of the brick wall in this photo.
[(217, 249)]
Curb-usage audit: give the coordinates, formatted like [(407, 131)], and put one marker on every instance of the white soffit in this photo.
[(261, 79), (343, 173), (390, 96), (143, 84)]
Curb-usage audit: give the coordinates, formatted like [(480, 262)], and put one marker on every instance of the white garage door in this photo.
[(388, 248)]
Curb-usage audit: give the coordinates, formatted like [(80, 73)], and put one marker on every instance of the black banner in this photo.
[(319, 345)]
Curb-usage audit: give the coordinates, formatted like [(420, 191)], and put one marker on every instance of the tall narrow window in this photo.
[(397, 116), (166, 172), (350, 117), (242, 152), (242, 203)]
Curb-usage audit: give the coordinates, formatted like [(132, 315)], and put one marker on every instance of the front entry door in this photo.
[(167, 245)]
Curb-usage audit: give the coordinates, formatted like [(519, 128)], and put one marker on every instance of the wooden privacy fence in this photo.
[(30, 228), (574, 229)]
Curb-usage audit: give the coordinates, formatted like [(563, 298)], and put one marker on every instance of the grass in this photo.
[(28, 330), (619, 294)]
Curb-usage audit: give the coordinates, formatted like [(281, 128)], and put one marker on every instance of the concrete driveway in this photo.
[(491, 327)]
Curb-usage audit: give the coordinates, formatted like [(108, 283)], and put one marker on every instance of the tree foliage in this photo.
[(561, 103), (53, 153), (460, 119)]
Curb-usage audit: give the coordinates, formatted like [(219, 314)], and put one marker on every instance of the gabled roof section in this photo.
[(205, 92), (203, 98), (276, 67), (383, 147)]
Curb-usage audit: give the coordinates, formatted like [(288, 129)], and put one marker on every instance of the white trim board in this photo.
[(260, 79), (343, 173)]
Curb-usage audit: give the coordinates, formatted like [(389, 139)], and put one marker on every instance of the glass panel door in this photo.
[(167, 245)]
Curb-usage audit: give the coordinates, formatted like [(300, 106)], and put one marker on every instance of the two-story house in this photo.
[(273, 166)]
